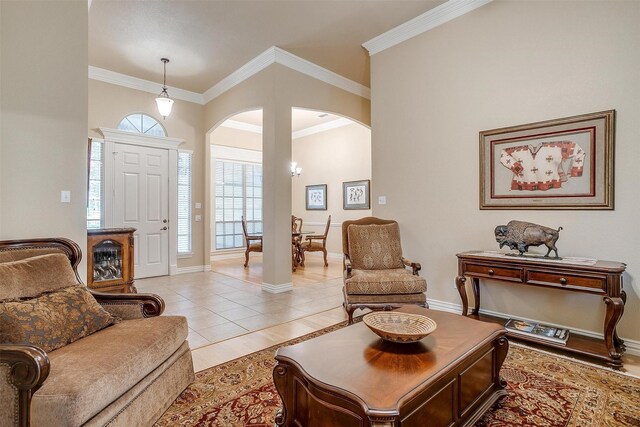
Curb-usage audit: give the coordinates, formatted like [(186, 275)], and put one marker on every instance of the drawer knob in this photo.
[(563, 281), (491, 272)]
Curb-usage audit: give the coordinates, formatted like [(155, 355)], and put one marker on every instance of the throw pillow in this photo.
[(33, 276), (375, 247), (53, 320)]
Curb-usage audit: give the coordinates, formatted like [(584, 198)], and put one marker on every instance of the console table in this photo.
[(600, 278)]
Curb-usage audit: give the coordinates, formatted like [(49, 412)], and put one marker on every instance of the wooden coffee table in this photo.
[(351, 377)]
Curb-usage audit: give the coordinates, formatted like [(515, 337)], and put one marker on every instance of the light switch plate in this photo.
[(65, 196), (198, 205), (382, 200)]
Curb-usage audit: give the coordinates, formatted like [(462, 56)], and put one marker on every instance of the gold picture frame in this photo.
[(556, 164)]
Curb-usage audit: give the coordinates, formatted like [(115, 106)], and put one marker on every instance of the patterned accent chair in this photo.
[(375, 276), (253, 243)]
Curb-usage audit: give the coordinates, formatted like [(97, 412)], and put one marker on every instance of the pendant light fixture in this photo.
[(164, 102)]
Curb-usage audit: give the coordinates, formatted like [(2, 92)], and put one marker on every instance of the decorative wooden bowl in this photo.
[(399, 327)]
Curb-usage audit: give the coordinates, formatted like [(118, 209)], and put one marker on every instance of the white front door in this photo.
[(141, 201)]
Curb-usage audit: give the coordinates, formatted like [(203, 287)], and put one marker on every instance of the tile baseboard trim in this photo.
[(633, 346)]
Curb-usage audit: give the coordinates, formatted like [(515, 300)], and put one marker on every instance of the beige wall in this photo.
[(108, 104), (236, 138), (504, 64), (330, 157), (276, 90), (43, 104)]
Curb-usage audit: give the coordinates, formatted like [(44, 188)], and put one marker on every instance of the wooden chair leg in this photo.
[(349, 309), (246, 258), (302, 257), (324, 251)]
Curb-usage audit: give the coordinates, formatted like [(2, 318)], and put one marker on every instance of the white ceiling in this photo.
[(208, 40), (301, 119)]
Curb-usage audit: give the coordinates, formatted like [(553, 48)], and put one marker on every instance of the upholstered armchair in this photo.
[(253, 243), (70, 356), (375, 272)]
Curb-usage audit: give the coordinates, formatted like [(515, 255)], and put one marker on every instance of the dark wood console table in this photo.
[(601, 278)]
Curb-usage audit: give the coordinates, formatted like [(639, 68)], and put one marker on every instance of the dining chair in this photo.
[(296, 252), (316, 243), (253, 243)]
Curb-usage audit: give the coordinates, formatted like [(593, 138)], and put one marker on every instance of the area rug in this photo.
[(544, 390)]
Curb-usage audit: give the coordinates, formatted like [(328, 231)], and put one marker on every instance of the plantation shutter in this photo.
[(184, 202)]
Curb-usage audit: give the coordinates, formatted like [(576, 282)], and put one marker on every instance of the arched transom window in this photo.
[(142, 123)]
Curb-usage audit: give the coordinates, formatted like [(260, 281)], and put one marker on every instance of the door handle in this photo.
[(164, 228), (165, 221)]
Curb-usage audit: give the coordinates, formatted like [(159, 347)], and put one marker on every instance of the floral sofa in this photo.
[(112, 360)]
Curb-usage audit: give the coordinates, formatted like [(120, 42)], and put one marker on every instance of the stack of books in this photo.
[(537, 330)]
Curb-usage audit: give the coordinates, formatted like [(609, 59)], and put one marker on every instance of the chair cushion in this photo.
[(54, 319), (375, 247), (255, 247), (31, 277), (89, 374), (380, 282), (318, 246)]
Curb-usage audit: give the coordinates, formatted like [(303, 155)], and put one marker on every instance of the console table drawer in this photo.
[(503, 273), (562, 280)]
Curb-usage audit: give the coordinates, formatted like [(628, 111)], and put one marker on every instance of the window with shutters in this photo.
[(96, 188), (184, 202), (238, 194)]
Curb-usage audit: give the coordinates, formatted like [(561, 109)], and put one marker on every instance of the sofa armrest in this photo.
[(415, 266), (27, 367), (130, 306), (347, 265)]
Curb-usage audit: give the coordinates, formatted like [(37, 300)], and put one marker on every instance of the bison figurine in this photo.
[(520, 235)]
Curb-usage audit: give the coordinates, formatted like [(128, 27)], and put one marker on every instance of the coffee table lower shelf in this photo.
[(580, 344)]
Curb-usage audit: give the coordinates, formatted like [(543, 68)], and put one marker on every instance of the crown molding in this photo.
[(252, 67), (333, 124), (422, 23), (119, 79), (273, 55), (303, 66), (234, 124)]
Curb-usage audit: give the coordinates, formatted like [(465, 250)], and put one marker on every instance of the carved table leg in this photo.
[(615, 306), (460, 281), (280, 381), (502, 348), (476, 295), (619, 342)]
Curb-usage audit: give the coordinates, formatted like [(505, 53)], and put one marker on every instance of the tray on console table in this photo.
[(602, 278)]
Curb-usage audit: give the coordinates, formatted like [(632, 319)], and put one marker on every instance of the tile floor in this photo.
[(219, 307), (230, 317)]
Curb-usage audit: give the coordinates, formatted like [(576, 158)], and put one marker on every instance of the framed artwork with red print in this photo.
[(556, 164)]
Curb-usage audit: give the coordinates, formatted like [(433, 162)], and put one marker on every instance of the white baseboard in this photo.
[(276, 289), (633, 346), (193, 269), (330, 255), (219, 256)]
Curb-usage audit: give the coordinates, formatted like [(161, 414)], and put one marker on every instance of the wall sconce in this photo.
[(295, 169)]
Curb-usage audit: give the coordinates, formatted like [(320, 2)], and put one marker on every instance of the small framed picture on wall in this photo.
[(316, 197), (355, 195)]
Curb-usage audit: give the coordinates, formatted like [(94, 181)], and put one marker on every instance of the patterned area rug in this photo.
[(544, 391)]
